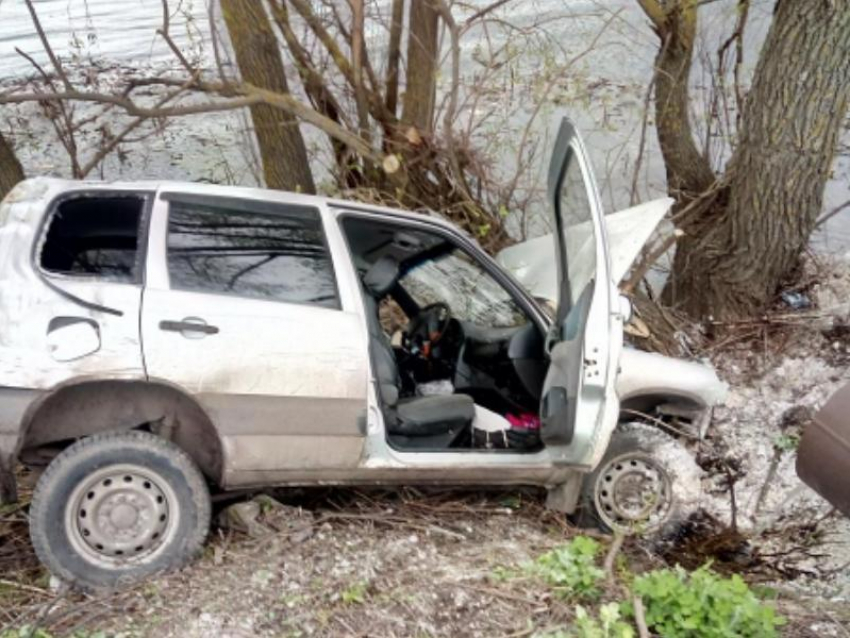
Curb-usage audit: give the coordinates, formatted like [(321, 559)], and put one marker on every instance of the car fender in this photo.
[(647, 380)]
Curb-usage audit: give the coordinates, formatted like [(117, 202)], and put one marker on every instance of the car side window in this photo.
[(228, 249), (95, 236)]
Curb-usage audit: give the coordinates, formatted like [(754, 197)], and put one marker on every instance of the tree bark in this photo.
[(11, 171), (282, 149), (739, 249), (688, 171), (420, 91), (393, 55)]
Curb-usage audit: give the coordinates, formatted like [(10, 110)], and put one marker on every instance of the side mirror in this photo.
[(70, 338), (626, 310)]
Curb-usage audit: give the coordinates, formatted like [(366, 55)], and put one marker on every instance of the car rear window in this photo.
[(95, 236), (231, 249)]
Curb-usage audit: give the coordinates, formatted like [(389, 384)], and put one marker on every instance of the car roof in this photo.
[(55, 186)]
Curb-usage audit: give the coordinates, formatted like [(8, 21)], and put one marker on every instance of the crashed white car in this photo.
[(159, 340)]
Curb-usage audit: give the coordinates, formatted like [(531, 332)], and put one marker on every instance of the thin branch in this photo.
[(219, 64), (640, 617), (306, 12), (647, 262), (57, 65), (484, 11), (165, 32), (611, 556), (66, 136), (736, 38), (243, 95), (128, 105), (449, 118), (644, 125), (829, 215), (122, 136)]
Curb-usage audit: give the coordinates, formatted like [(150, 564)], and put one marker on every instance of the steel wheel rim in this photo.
[(120, 515), (633, 492)]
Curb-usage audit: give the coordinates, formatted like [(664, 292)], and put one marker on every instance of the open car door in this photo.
[(583, 335)]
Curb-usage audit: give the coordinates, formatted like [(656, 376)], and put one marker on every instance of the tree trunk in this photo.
[(420, 91), (282, 149), (10, 168), (394, 54), (688, 171), (737, 252)]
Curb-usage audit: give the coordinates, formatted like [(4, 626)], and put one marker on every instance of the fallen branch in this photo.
[(613, 551), (640, 617), (393, 520), (25, 587)]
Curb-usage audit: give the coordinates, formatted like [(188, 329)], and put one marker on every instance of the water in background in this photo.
[(123, 32)]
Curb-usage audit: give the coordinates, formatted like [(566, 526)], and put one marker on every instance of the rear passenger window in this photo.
[(93, 236), (229, 249)]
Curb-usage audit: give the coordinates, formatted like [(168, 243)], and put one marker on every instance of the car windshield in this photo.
[(473, 294)]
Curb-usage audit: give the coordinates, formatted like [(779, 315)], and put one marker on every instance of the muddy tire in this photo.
[(113, 509), (647, 483)]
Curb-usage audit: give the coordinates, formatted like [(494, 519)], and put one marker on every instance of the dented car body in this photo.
[(251, 330)]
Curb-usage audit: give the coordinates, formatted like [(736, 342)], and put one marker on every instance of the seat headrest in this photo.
[(381, 276)]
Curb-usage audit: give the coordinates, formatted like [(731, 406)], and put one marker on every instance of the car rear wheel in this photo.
[(115, 508), (647, 483)]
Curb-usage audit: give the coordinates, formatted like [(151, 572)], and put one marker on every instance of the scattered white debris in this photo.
[(763, 415)]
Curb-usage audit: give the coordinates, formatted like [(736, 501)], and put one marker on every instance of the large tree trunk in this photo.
[(10, 168), (420, 92), (284, 155), (738, 251), (744, 232)]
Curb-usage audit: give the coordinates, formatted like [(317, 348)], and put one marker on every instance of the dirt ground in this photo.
[(353, 563)]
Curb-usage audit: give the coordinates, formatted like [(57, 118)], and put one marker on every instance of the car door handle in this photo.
[(190, 325)]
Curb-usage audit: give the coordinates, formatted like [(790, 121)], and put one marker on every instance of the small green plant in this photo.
[(787, 443), (607, 625), (702, 603), (354, 594), (571, 569)]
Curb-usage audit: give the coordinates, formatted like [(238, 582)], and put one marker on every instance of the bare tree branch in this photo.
[(165, 32), (830, 214), (54, 60)]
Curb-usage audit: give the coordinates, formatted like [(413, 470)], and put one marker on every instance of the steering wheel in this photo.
[(428, 327)]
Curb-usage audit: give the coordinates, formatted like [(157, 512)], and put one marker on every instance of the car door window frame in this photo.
[(460, 242), (249, 206), (577, 153)]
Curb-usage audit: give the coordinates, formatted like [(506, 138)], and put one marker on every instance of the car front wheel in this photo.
[(647, 483), (115, 508)]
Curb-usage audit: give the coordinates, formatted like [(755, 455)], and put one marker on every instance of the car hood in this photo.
[(532, 262)]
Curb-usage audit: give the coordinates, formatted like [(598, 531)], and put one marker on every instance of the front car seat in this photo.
[(423, 422)]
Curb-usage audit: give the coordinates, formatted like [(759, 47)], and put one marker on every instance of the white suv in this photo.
[(160, 339)]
